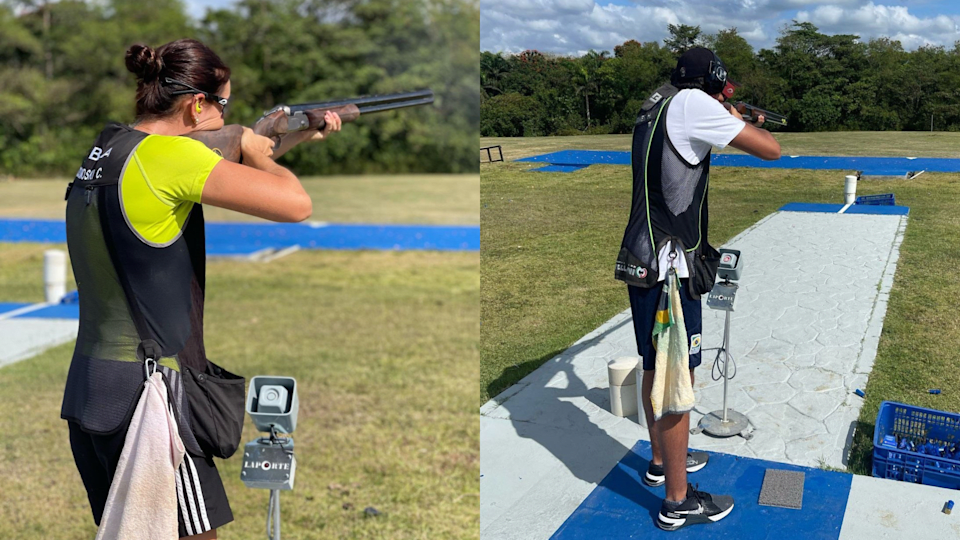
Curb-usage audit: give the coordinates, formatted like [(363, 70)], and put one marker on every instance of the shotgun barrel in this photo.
[(417, 97), (751, 113), (284, 119)]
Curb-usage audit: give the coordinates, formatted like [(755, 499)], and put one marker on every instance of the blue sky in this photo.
[(198, 7), (575, 26)]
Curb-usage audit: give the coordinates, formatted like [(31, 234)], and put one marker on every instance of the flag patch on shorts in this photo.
[(695, 344)]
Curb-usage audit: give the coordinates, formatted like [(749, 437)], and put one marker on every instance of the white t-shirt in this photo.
[(695, 123)]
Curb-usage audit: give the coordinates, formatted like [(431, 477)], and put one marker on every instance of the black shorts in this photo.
[(202, 501), (643, 305)]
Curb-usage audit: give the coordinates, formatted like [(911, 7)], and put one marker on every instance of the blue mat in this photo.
[(869, 165), (622, 507), (10, 306), (58, 311), (581, 157), (854, 209), (247, 238)]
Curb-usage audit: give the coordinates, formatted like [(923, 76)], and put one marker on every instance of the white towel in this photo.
[(142, 502), (672, 392)]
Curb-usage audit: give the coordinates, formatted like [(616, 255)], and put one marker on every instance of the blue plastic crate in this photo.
[(885, 199), (920, 424)]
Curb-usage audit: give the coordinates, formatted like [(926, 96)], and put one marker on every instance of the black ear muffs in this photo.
[(714, 80), (716, 77)]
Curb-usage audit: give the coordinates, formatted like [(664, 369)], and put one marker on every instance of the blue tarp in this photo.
[(246, 238), (56, 311), (853, 209), (869, 165)]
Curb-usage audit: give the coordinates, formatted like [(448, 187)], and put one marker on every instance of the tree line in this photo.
[(62, 75), (820, 82)]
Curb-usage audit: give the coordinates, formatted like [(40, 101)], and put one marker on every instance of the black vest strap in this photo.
[(652, 222)]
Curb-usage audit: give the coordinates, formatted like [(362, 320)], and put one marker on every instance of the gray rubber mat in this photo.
[(782, 488)]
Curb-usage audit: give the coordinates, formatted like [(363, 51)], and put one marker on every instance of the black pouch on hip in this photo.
[(216, 399), (706, 260)]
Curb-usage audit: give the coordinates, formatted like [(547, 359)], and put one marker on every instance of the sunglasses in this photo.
[(191, 90)]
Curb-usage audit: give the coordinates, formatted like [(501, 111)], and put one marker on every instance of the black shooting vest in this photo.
[(137, 299), (669, 197)]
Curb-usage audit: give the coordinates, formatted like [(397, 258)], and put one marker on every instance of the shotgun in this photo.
[(750, 113), (284, 119)]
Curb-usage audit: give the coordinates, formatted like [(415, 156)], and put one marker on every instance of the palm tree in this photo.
[(493, 68), (587, 78)]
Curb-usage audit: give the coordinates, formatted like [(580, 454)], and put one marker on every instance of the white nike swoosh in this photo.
[(699, 510)]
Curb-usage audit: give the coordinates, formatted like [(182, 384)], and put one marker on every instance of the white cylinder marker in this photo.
[(623, 386), (850, 189), (54, 274)]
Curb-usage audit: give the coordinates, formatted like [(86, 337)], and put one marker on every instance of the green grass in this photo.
[(550, 241), (384, 349), (446, 199)]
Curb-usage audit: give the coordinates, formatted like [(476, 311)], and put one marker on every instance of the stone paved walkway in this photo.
[(22, 338), (813, 297)]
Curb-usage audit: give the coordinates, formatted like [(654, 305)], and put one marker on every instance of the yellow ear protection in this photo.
[(198, 109)]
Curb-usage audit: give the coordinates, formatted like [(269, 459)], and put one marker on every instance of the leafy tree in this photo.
[(62, 74), (682, 38), (510, 115)]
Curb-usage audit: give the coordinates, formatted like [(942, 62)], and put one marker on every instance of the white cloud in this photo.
[(571, 28), (871, 20), (575, 26)]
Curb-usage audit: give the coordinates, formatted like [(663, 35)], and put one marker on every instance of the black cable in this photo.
[(715, 373)]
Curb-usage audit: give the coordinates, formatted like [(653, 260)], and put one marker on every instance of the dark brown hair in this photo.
[(186, 60)]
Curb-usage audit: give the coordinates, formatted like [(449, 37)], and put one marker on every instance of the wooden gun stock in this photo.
[(224, 141)]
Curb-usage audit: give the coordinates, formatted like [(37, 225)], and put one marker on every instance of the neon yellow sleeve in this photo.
[(160, 184), (178, 166)]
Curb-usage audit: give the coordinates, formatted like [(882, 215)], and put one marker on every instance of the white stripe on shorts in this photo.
[(191, 516), (199, 493), (183, 501)]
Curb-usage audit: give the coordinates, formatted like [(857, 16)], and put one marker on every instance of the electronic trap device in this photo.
[(723, 294), (268, 462), (725, 422)]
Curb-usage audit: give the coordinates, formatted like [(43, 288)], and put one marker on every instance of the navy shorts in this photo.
[(643, 304)]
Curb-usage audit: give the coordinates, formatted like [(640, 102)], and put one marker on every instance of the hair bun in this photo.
[(143, 62)]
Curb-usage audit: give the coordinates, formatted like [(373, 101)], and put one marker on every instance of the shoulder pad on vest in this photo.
[(664, 92)]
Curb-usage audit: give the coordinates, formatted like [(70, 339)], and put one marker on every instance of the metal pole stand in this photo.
[(725, 422), (273, 515)]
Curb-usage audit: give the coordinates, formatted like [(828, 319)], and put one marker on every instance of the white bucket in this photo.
[(622, 373), (54, 274), (850, 189)]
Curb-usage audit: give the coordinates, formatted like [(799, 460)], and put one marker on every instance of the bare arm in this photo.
[(755, 141), (260, 188), (288, 141)]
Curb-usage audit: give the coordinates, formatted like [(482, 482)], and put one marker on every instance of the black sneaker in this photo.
[(695, 462), (699, 507)]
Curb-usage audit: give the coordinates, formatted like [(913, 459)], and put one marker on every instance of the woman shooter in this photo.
[(136, 239)]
